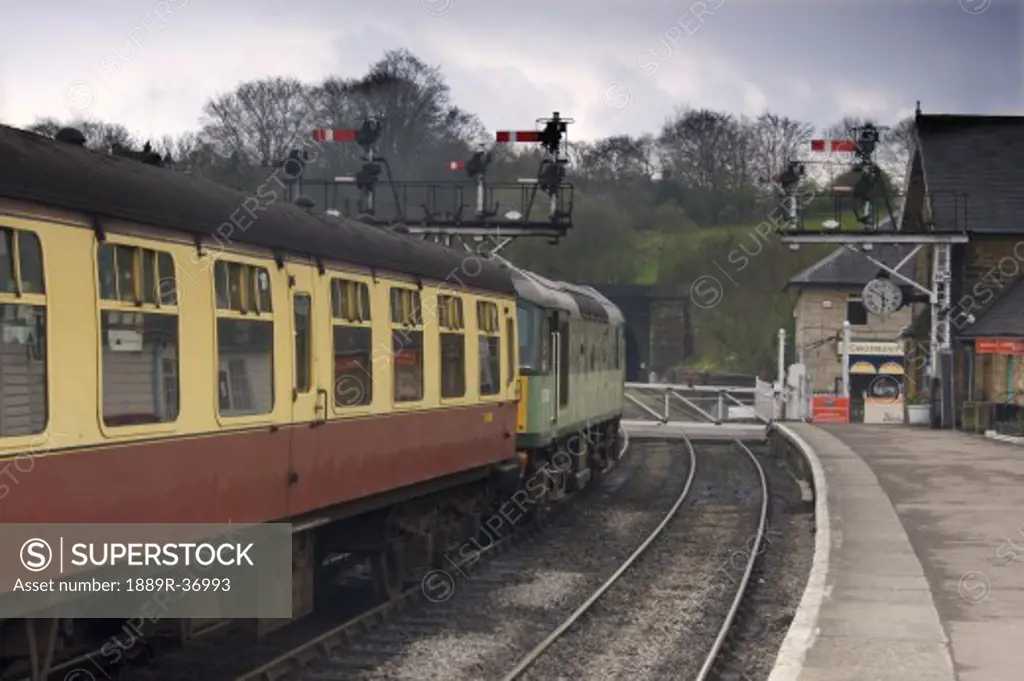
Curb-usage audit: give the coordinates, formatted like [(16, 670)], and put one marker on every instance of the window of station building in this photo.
[(245, 339), (23, 393), (353, 343), (452, 325), (138, 335), (489, 347), (407, 344), (856, 313)]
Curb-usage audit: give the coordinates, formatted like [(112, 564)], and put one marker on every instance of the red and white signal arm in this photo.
[(508, 136), (834, 146), (334, 135)]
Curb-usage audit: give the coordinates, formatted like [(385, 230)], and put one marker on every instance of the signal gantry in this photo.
[(865, 191), (439, 210)]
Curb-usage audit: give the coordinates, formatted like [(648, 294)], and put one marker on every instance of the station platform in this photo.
[(918, 571)]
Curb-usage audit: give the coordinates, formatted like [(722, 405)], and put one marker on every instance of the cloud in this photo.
[(513, 65)]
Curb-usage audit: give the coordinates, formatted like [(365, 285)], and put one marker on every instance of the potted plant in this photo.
[(919, 409)]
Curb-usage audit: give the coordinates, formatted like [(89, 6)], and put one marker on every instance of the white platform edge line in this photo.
[(803, 630)]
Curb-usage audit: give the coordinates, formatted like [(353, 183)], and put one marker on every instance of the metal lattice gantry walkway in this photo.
[(703, 413)]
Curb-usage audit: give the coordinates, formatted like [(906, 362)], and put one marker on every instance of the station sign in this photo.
[(877, 348), (999, 346)]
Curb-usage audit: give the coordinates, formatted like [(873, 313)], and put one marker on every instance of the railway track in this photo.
[(475, 621), (232, 654), (651, 619), (479, 633)]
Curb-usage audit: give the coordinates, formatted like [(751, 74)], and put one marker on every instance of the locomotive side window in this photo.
[(510, 332), (138, 335), (353, 343), (23, 395), (245, 339), (407, 344), (529, 335), (452, 325), (489, 347)]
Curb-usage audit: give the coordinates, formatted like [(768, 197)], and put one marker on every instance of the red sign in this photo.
[(999, 346), (828, 409)]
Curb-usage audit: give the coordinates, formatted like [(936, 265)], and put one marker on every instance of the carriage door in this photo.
[(309, 404)]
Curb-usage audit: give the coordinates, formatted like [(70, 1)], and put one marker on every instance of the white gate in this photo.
[(764, 401)]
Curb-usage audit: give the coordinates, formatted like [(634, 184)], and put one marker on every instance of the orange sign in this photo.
[(828, 409), (999, 346)]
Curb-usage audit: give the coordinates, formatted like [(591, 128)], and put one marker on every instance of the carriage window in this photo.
[(245, 339), (138, 335), (407, 344), (303, 341), (452, 327), (245, 366), (353, 343), (350, 300), (23, 389), (131, 274), (489, 344), (242, 288)]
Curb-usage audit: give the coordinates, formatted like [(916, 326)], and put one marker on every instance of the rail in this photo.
[(719, 642), (296, 659), (526, 662), (723, 632)]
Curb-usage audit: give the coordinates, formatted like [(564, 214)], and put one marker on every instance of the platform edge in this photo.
[(803, 630)]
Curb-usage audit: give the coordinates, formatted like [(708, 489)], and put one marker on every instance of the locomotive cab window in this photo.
[(534, 340), (353, 343), (23, 407), (452, 326), (138, 335), (489, 347), (510, 345), (245, 339), (407, 344)]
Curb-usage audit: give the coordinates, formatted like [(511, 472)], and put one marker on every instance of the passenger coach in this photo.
[(172, 351)]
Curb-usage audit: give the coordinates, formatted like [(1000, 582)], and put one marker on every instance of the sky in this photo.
[(615, 66)]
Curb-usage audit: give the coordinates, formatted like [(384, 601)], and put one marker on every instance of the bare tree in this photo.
[(897, 145), (777, 140), (99, 135), (261, 121), (698, 149), (421, 127)]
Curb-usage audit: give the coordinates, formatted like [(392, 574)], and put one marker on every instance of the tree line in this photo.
[(702, 169)]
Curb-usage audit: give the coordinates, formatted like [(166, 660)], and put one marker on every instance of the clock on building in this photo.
[(882, 297)]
